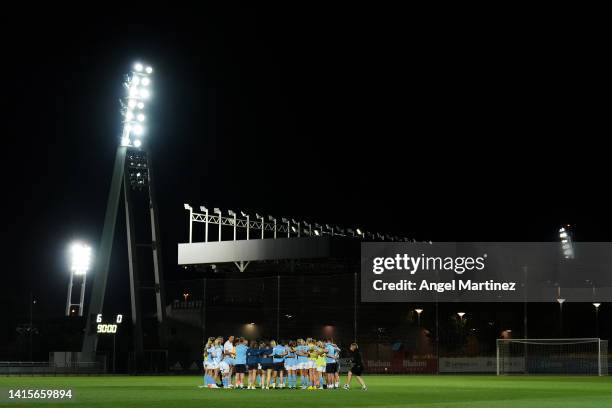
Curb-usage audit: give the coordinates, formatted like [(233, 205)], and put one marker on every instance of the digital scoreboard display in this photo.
[(108, 328)]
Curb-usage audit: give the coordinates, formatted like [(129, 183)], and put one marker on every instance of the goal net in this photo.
[(552, 356)]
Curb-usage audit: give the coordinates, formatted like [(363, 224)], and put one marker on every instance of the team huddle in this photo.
[(276, 365)]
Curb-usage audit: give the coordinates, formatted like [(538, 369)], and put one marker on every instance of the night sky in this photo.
[(369, 118)]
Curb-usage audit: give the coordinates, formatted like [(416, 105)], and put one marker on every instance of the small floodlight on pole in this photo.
[(285, 220), (190, 209), (261, 217), (418, 312), (560, 301), (202, 208), (248, 225), (461, 314), (597, 318), (80, 262), (233, 214), (309, 230), (271, 218), (138, 91), (298, 226), (218, 212)]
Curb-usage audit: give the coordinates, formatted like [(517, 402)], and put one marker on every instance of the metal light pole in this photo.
[(218, 212), (233, 214), (202, 208)]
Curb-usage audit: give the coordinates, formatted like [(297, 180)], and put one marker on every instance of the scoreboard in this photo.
[(108, 328)]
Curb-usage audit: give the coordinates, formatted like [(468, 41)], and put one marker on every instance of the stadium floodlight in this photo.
[(309, 230), (138, 88), (317, 233), (461, 314), (187, 207), (330, 229), (318, 230), (81, 258), (260, 217), (233, 214), (218, 212), (202, 208), (566, 243), (80, 255), (285, 220), (248, 224), (271, 218)]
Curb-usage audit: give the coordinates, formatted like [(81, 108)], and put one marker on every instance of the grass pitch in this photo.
[(384, 391)]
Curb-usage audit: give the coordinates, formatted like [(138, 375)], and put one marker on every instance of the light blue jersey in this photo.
[(291, 359), (302, 349), (276, 351), (241, 354), (216, 352), (331, 353)]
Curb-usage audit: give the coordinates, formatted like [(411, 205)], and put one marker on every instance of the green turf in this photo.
[(384, 391)]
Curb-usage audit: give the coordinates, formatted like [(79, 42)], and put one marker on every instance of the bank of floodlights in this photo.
[(138, 86), (566, 243)]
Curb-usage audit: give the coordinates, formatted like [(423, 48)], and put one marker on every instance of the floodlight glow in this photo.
[(419, 311), (145, 93), (125, 141), (461, 314), (202, 208), (187, 206), (133, 92), (145, 81), (129, 115), (140, 105), (243, 214), (596, 305), (138, 130), (135, 80), (560, 301), (563, 234), (81, 257), (138, 67), (358, 231), (131, 104), (141, 117), (137, 143), (149, 70), (217, 211)]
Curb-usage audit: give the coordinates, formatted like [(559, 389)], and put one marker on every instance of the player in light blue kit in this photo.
[(240, 361), (278, 360), (302, 357)]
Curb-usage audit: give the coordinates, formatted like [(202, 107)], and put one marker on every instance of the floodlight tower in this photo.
[(132, 178)]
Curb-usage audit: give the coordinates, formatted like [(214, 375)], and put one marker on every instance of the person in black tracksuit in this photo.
[(357, 368)]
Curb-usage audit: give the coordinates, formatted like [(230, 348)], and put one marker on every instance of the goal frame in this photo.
[(578, 340)]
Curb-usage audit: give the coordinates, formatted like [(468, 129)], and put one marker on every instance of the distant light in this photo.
[(563, 234), (317, 233), (129, 115), (81, 258), (461, 314), (140, 105), (138, 67), (187, 206), (560, 301), (137, 143), (131, 103), (358, 231), (596, 305), (419, 311), (145, 81), (149, 70), (251, 324), (141, 117), (145, 93)]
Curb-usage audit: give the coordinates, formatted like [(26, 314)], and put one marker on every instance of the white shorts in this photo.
[(321, 369), (310, 364), (213, 365), (290, 367), (224, 367)]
